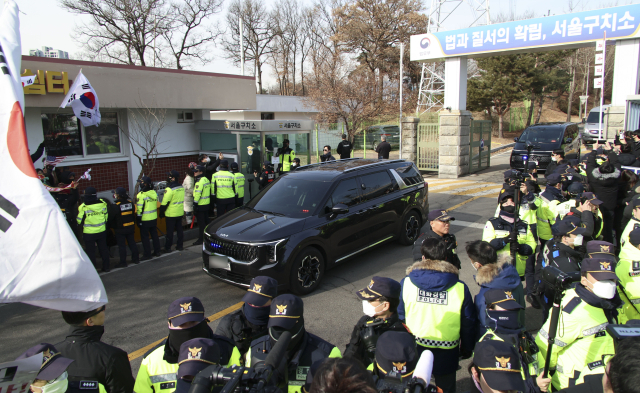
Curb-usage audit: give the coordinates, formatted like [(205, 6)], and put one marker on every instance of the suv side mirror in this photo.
[(340, 208)]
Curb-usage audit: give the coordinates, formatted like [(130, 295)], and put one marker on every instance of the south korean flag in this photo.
[(84, 101)]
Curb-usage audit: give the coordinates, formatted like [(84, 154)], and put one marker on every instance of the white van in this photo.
[(591, 130)]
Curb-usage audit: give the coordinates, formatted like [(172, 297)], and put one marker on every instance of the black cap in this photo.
[(499, 364), (396, 352), (601, 250), (504, 194), (185, 309), (174, 174), (509, 174), (553, 179), (196, 355), (234, 166), (261, 290), (634, 237), (90, 191), (286, 311), (296, 159), (599, 268), (502, 298), (634, 203), (285, 141), (199, 168), (378, 287), (440, 215), (53, 363), (568, 227), (224, 163), (121, 191), (575, 188), (531, 165), (591, 197), (266, 163)]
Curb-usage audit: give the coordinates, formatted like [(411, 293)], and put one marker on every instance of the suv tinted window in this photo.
[(375, 185), (541, 134), (292, 198), (409, 175), (346, 193), (571, 132)]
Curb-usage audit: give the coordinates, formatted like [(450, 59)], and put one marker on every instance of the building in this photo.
[(271, 107), (48, 51), (126, 95)]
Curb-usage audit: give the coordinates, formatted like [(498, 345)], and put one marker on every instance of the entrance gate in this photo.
[(428, 146), (480, 145)]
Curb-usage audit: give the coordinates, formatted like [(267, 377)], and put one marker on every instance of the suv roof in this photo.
[(557, 123), (326, 171)]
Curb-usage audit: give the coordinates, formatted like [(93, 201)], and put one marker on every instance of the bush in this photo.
[(561, 104)]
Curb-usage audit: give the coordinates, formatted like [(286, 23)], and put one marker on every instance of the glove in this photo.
[(525, 249), (498, 244)]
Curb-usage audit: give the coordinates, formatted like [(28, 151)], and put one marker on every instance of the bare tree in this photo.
[(189, 34), (143, 131), (258, 32)]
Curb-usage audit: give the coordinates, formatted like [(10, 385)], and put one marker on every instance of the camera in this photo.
[(558, 280), (392, 383), (621, 332), (370, 335)]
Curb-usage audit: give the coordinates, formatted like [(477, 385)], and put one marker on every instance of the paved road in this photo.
[(139, 295)]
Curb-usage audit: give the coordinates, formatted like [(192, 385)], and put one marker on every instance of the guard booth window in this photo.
[(375, 185), (62, 134), (346, 193)]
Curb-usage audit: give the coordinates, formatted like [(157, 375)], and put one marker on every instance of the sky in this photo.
[(46, 23)]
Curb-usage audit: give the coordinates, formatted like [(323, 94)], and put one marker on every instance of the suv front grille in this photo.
[(239, 252)]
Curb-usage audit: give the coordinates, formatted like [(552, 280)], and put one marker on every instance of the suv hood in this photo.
[(247, 225)]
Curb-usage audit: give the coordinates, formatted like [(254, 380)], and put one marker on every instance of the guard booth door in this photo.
[(479, 145)]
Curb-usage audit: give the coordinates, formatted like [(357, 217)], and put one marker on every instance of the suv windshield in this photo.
[(541, 134), (594, 117), (291, 198)]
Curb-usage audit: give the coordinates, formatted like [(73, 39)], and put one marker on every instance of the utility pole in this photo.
[(401, 83)]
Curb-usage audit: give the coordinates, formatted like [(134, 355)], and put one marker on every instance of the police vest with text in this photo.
[(224, 182), (445, 307), (239, 184), (93, 218), (202, 192), (147, 205), (174, 199), (125, 220)]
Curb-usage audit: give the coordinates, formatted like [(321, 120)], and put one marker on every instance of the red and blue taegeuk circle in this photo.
[(425, 42), (88, 100)]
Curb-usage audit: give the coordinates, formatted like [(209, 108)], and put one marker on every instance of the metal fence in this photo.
[(428, 146), (479, 145), (364, 142)]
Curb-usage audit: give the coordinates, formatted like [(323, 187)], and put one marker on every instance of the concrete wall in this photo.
[(253, 115)]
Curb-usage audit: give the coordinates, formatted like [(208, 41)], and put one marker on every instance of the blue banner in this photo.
[(561, 30)]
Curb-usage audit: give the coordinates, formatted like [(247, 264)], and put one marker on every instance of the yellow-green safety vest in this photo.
[(224, 182), (95, 217), (581, 339), (202, 192), (147, 205), (433, 317), (628, 272), (238, 182), (546, 215), (490, 233), (174, 200), (286, 160), (597, 367)]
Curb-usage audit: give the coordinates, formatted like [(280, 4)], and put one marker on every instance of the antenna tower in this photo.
[(431, 97)]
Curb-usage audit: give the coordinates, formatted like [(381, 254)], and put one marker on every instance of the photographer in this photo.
[(498, 229), (587, 211), (572, 199), (380, 305), (628, 272), (439, 226), (547, 212), (557, 157), (495, 368), (586, 310)]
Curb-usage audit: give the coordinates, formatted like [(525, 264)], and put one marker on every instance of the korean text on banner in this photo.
[(17, 376)]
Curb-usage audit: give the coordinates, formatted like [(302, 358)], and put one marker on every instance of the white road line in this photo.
[(440, 187), (470, 187), (487, 192), (467, 224), (440, 183)]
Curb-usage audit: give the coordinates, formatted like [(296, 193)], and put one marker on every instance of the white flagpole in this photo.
[(604, 73)]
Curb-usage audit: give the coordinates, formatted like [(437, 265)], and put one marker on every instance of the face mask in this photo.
[(296, 337), (179, 336), (554, 159), (503, 319), (256, 315), (605, 289), (599, 161), (509, 209), (294, 164), (207, 160), (578, 240), (368, 309), (59, 385)]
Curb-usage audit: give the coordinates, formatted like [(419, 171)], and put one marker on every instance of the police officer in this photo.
[(497, 231), (496, 368), (344, 148), (266, 177), (572, 199), (295, 164), (147, 209), (68, 199), (424, 290), (586, 311), (172, 208), (287, 314), (547, 212), (92, 217), (286, 155), (94, 359), (439, 226), (195, 355), (586, 210), (186, 320), (222, 187), (395, 357), (52, 373), (628, 272), (380, 301), (201, 201), (123, 220), (238, 184), (250, 322), (633, 223)]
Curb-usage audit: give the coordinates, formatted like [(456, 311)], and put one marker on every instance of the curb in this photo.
[(188, 234), (503, 147)]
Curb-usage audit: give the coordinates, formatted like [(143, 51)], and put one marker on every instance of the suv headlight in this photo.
[(275, 250)]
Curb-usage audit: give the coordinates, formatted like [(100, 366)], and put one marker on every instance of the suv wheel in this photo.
[(410, 229), (307, 271)]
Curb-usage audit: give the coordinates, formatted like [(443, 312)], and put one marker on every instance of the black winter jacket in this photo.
[(344, 149), (96, 360), (236, 327), (604, 185), (357, 348), (628, 159), (449, 239)]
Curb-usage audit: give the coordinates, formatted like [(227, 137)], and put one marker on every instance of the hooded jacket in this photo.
[(499, 275), (439, 276), (604, 185)]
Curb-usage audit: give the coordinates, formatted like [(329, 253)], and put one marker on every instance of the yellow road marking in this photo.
[(447, 187), (463, 203), (136, 354), (487, 188)]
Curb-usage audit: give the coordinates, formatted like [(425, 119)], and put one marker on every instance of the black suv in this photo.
[(546, 137), (311, 219)]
